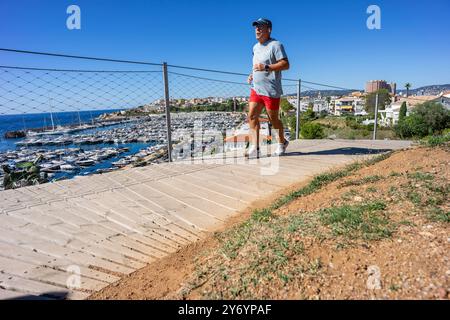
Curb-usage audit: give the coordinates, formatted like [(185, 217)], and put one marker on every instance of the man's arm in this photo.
[(282, 62), (281, 65)]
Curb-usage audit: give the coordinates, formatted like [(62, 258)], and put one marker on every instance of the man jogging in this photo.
[(269, 59)]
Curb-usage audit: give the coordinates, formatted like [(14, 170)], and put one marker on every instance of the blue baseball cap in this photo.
[(262, 21)]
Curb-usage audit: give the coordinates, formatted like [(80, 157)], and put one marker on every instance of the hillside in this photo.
[(430, 90), (325, 93), (425, 90), (378, 229)]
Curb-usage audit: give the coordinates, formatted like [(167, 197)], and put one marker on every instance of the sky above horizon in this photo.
[(326, 41)]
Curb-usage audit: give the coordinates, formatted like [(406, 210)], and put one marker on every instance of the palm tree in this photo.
[(328, 99), (408, 86)]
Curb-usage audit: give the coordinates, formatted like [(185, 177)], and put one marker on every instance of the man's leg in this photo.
[(276, 123), (255, 109)]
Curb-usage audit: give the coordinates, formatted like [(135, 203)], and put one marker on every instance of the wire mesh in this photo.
[(33, 90), (198, 89), (58, 109), (77, 121), (210, 90)]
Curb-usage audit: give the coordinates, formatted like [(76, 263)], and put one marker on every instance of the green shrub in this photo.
[(355, 123), (429, 118), (412, 126), (350, 120), (285, 106), (434, 141), (311, 130), (308, 115), (434, 115), (323, 114), (289, 122)]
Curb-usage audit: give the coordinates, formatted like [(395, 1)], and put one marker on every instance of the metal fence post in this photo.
[(376, 118), (297, 122), (167, 104)]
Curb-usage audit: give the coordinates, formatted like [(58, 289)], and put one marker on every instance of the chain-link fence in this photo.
[(32, 90), (104, 114)]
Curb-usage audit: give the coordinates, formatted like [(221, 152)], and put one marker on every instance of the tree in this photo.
[(308, 115), (311, 130), (411, 126), (25, 174), (292, 124), (285, 106), (384, 99), (408, 86), (435, 116), (426, 119), (230, 104), (403, 111)]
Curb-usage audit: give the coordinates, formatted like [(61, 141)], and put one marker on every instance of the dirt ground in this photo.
[(327, 245)]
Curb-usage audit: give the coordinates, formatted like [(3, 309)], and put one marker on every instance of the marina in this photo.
[(151, 128), (99, 149)]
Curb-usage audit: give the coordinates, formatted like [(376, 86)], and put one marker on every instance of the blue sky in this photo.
[(326, 41)]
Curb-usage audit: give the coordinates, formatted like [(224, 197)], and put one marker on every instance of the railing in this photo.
[(95, 84)]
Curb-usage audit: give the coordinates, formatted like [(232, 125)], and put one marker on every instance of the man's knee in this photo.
[(255, 111), (274, 116)]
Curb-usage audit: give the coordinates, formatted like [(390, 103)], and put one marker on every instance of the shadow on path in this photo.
[(342, 151), (60, 295)]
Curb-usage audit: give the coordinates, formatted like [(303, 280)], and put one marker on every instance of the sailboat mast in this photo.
[(51, 115), (53, 124)]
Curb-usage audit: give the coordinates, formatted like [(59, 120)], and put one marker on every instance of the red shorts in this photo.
[(270, 103)]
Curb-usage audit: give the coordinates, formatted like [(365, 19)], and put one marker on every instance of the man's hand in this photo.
[(281, 65), (258, 67), (250, 78)]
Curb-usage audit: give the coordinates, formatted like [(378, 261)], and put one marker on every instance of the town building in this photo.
[(390, 115), (348, 105), (375, 85)]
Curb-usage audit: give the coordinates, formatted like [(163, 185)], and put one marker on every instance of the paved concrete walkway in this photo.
[(74, 237)]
